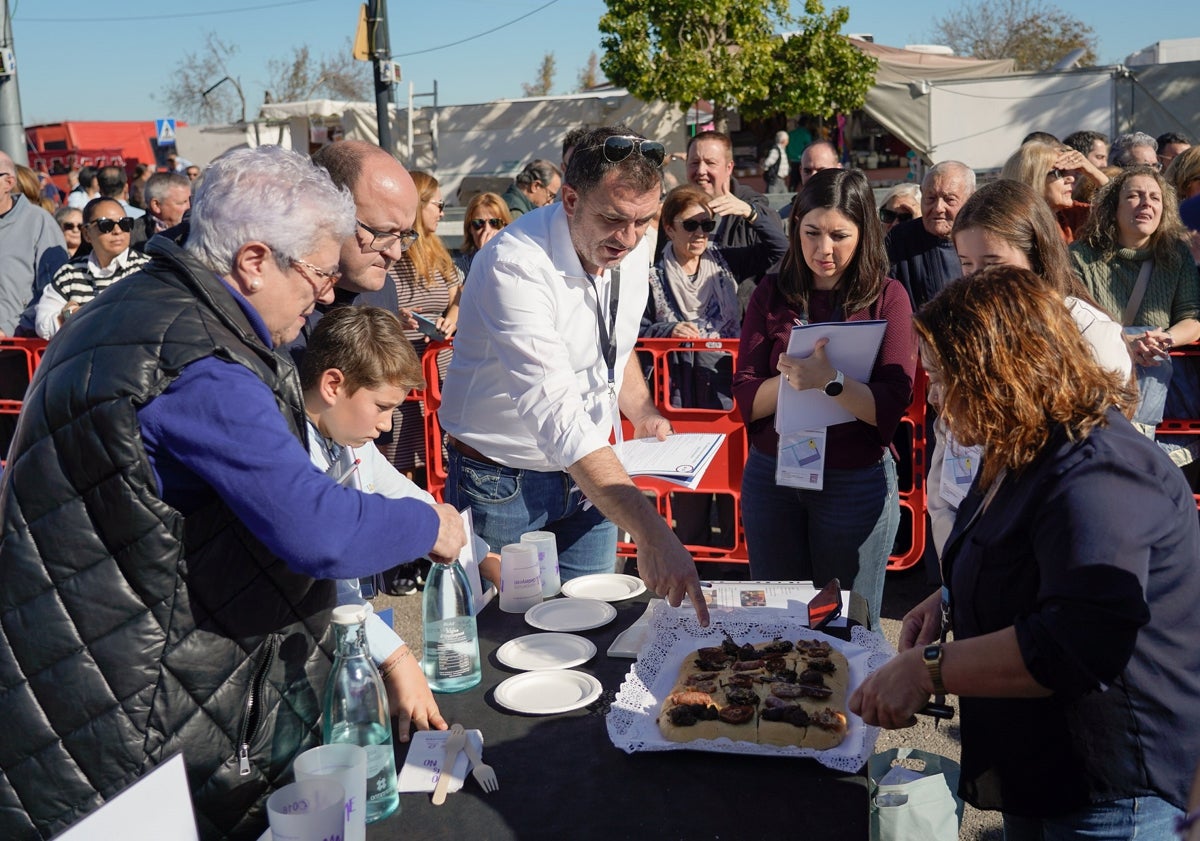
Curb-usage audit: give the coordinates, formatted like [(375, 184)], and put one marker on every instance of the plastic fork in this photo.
[(484, 774)]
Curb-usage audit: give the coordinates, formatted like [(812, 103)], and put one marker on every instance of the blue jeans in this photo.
[(1130, 819), (506, 503), (845, 530)]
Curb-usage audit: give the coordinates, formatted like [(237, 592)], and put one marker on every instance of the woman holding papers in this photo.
[(821, 501), (693, 294)]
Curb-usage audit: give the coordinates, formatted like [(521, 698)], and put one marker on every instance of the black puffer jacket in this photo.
[(128, 631)]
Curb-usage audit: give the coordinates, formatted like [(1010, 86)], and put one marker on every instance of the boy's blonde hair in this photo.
[(367, 344)]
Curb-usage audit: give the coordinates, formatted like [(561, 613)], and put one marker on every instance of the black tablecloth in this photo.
[(562, 778)]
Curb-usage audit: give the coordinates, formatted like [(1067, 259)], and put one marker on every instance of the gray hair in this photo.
[(781, 137), (160, 183), (1121, 151), (907, 189), (539, 171), (270, 195), (951, 169)]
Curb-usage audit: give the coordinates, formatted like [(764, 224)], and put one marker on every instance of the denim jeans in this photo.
[(844, 530), (1130, 819), (506, 503), (1153, 382)]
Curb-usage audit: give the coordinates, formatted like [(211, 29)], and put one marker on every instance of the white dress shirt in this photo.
[(528, 386)]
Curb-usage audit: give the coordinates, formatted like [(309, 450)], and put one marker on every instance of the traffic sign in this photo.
[(166, 132)]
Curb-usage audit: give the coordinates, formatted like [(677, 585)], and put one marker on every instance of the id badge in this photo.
[(958, 470), (801, 461)]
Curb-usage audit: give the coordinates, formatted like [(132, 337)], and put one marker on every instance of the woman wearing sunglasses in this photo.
[(840, 521), (693, 294), (486, 215), (106, 230), (900, 204), (70, 219), (1052, 172)]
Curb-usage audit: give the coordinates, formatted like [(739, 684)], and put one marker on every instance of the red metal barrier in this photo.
[(724, 475)]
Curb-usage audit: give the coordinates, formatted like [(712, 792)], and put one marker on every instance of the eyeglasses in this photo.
[(1055, 174), (480, 224), (549, 195), (888, 216), (329, 277), (619, 147), (383, 240), (440, 205), (708, 225), (106, 225), (71, 226)]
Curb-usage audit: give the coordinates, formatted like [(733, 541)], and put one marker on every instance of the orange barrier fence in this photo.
[(724, 475)]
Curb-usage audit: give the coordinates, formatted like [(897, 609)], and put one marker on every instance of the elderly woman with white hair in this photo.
[(168, 547), (900, 204)]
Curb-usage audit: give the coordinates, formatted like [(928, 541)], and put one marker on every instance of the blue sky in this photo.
[(78, 59)]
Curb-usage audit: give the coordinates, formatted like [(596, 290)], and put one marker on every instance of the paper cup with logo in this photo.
[(348, 765), (312, 810), (520, 577), (547, 547)]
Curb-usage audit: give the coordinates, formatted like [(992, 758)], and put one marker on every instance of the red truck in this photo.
[(56, 148)]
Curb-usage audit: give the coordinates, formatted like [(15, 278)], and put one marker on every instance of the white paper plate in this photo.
[(538, 652), (570, 614), (607, 587), (549, 692)]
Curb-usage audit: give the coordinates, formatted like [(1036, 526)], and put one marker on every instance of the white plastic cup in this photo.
[(520, 577), (313, 810), (347, 764), (547, 547)]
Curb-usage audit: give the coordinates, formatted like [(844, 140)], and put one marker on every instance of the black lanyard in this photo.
[(608, 334)]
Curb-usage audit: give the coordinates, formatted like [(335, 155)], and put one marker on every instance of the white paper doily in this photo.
[(674, 635)]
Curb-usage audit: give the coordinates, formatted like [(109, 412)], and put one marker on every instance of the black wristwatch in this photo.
[(932, 655), (835, 386)]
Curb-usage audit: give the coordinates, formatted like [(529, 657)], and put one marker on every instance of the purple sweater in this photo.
[(765, 333), (217, 430)]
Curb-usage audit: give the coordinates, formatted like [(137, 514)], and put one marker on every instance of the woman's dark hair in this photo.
[(848, 192)]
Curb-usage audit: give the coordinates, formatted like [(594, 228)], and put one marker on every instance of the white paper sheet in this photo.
[(852, 348), (158, 807), (682, 458)]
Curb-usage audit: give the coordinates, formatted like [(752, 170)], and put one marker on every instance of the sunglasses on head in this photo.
[(619, 147), (888, 216), (480, 224), (105, 225), (690, 225)]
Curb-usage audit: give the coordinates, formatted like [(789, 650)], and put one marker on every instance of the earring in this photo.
[(254, 285)]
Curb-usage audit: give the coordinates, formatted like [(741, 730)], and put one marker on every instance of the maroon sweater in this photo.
[(765, 333)]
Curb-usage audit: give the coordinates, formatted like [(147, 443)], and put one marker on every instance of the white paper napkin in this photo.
[(423, 765)]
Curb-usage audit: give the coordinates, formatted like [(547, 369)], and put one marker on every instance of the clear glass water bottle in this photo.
[(356, 709), (451, 660)]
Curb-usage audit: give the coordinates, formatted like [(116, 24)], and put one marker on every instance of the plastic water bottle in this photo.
[(356, 709), (451, 660)]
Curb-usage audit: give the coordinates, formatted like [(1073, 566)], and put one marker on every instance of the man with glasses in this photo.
[(32, 249), (1134, 149), (543, 360), (535, 186), (710, 167), (385, 201)]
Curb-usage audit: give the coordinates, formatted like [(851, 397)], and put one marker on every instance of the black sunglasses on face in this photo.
[(71, 226), (619, 147), (690, 225), (1056, 174), (888, 216), (106, 225), (480, 224)]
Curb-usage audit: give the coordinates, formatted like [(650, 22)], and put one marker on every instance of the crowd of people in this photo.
[(229, 374)]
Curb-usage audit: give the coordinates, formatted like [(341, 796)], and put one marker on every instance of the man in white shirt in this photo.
[(542, 360)]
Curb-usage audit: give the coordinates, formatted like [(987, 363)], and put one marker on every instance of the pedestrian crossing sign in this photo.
[(166, 132)]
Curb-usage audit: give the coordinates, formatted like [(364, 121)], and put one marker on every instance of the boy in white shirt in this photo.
[(358, 367)]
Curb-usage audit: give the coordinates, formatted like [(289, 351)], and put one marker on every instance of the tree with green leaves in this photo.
[(1035, 34), (752, 55), (545, 78)]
